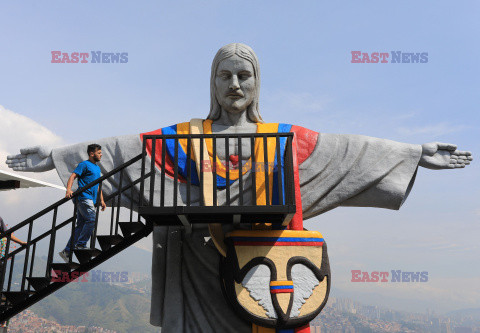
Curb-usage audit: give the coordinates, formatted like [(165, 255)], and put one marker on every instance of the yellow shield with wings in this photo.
[(276, 278)]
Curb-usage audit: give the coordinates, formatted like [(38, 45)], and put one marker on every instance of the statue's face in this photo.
[(235, 84)]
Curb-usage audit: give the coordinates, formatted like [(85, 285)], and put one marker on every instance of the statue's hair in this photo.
[(245, 52)]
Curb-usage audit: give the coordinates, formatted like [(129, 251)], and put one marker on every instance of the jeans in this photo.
[(85, 223)]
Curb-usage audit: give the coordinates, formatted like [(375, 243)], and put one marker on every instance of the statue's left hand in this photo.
[(437, 156)]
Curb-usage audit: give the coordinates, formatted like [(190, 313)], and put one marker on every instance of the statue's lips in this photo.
[(234, 96)]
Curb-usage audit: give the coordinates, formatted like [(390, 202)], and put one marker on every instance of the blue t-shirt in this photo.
[(87, 172)]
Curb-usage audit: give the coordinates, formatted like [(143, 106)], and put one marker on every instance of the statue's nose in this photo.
[(234, 83)]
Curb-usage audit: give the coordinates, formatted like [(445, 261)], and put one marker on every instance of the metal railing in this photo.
[(281, 166), (29, 250)]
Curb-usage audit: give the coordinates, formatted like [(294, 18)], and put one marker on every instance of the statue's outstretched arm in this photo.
[(32, 159), (438, 156)]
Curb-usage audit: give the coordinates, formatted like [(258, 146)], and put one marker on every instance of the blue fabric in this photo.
[(182, 156), (85, 223), (222, 182), (282, 128), (289, 330), (87, 172), (281, 287)]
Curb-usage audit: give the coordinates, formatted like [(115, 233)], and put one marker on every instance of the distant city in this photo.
[(341, 315)]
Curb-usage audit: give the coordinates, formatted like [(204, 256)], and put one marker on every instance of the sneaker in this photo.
[(80, 247), (64, 254)]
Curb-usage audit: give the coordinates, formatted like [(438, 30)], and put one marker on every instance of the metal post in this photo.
[(152, 171), (227, 162), (279, 172), (266, 170), (240, 171)]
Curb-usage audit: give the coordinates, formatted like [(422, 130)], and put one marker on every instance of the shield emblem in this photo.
[(276, 278)]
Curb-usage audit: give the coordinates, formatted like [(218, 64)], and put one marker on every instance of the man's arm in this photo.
[(18, 241), (70, 184), (102, 203)]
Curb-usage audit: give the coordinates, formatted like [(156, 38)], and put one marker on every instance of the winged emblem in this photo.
[(276, 278)]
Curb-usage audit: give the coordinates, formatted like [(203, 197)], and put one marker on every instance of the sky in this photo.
[(307, 79)]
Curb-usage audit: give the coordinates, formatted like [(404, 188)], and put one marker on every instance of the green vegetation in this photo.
[(98, 304)]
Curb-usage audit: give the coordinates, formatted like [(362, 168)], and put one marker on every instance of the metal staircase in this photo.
[(137, 204)]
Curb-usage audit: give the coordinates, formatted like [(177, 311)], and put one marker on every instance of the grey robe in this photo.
[(342, 170)]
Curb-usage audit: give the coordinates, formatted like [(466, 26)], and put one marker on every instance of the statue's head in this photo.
[(235, 82)]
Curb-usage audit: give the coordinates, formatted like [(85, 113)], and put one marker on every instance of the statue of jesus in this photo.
[(334, 170)]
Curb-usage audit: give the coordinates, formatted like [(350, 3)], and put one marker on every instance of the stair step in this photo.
[(106, 242), (39, 283), (4, 308), (84, 255), (64, 267), (16, 297), (129, 228)]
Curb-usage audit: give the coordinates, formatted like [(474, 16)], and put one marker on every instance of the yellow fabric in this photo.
[(184, 128), (262, 166), (281, 283), (276, 233), (216, 230), (259, 329)]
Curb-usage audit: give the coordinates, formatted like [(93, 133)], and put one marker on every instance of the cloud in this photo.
[(18, 131)]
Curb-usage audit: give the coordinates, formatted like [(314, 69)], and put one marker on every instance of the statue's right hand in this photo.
[(32, 159)]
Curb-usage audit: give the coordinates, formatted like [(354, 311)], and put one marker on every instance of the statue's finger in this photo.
[(451, 166), (462, 152), (12, 157), (446, 146), (15, 161), (30, 150), (18, 164), (19, 168), (470, 158)]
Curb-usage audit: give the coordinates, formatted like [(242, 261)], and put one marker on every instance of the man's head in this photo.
[(235, 82), (94, 152)]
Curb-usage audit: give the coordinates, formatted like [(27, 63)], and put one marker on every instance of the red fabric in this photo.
[(297, 220), (304, 329), (306, 142), (281, 291), (278, 243), (158, 155)]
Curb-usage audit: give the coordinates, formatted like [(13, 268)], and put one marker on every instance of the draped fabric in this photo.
[(334, 170)]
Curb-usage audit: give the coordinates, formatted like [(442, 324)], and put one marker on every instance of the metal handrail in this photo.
[(75, 194)]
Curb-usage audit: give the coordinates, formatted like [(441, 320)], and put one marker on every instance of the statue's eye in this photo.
[(244, 76), (224, 76)]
